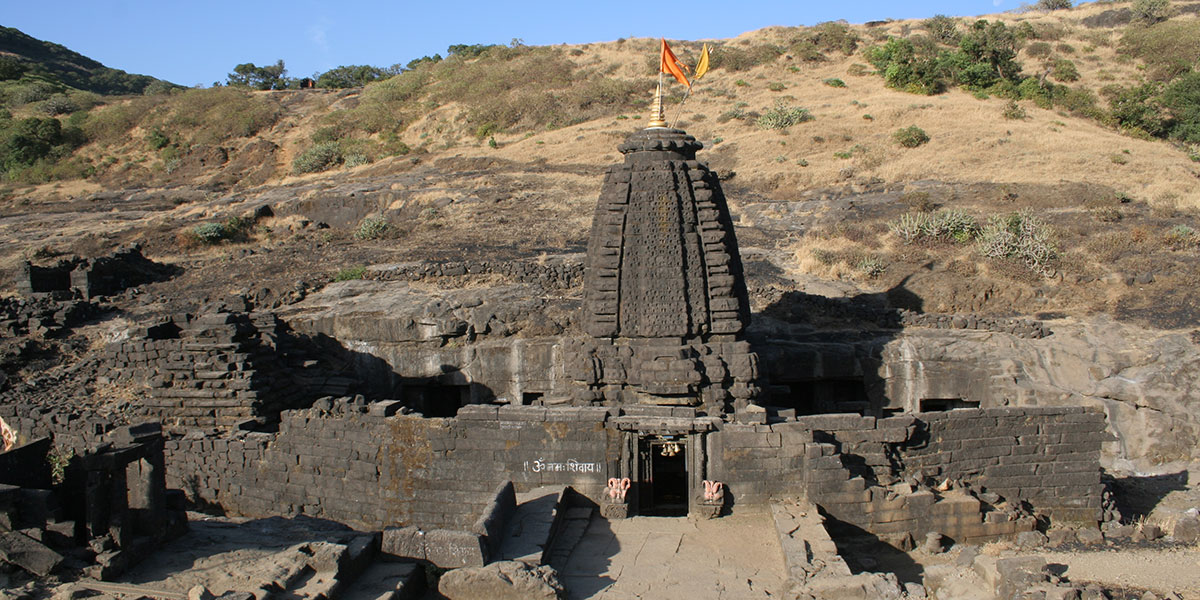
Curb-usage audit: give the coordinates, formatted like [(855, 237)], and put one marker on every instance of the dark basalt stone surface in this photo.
[(664, 293)]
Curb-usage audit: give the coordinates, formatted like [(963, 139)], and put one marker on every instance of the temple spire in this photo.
[(658, 117)]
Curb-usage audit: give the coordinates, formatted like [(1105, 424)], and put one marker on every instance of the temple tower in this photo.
[(665, 302)]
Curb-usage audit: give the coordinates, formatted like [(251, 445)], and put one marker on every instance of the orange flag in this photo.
[(671, 65)]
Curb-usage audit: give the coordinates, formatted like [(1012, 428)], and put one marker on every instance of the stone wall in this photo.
[(219, 369), (882, 474), (368, 467)]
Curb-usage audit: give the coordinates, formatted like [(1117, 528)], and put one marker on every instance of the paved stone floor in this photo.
[(733, 557)]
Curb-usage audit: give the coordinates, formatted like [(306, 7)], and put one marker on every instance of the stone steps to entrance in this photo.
[(528, 530)]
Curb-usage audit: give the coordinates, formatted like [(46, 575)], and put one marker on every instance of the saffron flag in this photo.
[(671, 65), (701, 65)]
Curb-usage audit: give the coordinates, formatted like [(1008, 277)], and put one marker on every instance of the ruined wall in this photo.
[(1049, 457), (215, 370), (374, 469)]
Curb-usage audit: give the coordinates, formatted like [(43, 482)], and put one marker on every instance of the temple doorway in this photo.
[(663, 485)]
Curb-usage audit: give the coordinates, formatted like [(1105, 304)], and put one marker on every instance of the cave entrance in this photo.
[(663, 485)]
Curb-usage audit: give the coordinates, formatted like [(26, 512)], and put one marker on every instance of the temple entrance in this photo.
[(663, 485)]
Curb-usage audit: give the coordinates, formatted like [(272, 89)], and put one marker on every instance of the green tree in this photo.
[(260, 78), (417, 62), (995, 45), (902, 68)]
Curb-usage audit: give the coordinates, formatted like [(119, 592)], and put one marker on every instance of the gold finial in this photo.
[(657, 117)]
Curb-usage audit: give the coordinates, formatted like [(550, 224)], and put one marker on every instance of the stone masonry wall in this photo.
[(368, 467), (214, 370), (856, 468)]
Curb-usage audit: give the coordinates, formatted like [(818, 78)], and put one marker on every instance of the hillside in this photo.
[(467, 141), (57, 64)]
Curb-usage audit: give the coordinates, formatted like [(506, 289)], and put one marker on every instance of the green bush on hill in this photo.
[(354, 76), (25, 143), (1182, 101)]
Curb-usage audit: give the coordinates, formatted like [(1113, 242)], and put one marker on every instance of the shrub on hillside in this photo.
[(354, 76), (731, 58), (1020, 236), (817, 41), (910, 137), (783, 116), (943, 29), (372, 228), (351, 273), (1168, 48), (320, 157), (1136, 108), (1064, 70), (940, 226), (1182, 100), (897, 61), (11, 68), (1053, 4), (26, 142), (212, 233), (1151, 11), (58, 104)]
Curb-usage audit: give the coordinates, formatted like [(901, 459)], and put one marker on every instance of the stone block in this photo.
[(28, 553), (404, 542), (449, 549)]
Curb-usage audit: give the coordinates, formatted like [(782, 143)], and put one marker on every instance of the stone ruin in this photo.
[(655, 403), (109, 507)]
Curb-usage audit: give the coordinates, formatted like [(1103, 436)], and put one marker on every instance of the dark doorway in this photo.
[(663, 489), (824, 396), (437, 400)]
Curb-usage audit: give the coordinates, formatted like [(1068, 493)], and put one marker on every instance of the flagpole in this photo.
[(679, 111)]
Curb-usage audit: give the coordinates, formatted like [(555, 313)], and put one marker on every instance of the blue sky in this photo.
[(197, 42)]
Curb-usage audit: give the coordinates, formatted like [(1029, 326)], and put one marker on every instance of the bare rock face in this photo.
[(1144, 379), (504, 580)]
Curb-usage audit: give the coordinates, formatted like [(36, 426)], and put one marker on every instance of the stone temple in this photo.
[(658, 402), (665, 300)]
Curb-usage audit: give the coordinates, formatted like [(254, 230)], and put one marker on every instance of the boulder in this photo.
[(1187, 530), (1089, 536), (504, 580)]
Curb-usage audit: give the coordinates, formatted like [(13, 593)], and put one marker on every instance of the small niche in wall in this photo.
[(531, 398), (943, 404)]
